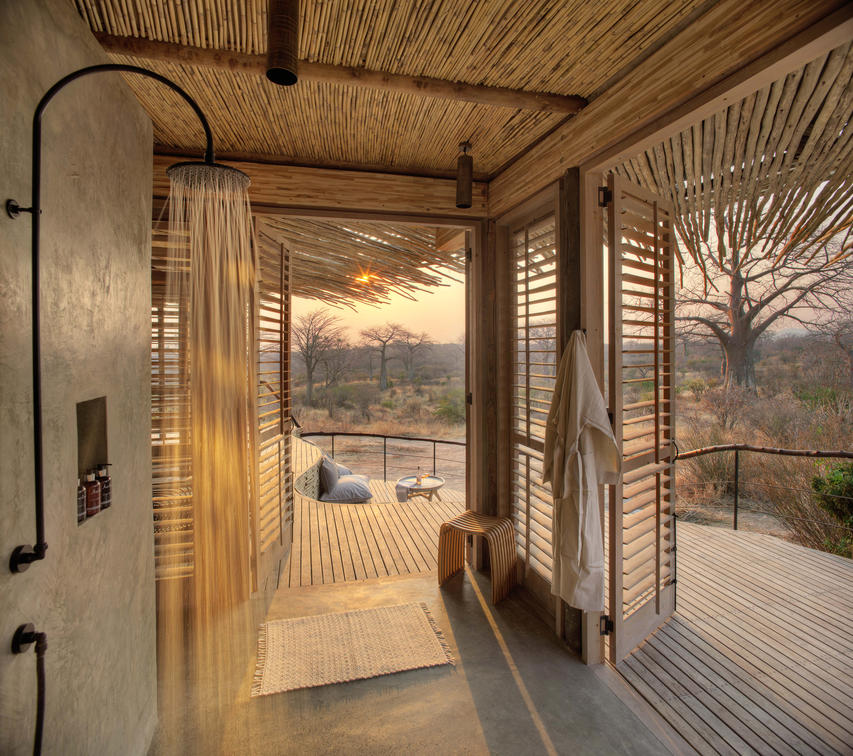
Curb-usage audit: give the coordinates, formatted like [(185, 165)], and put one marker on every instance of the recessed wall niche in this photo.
[(91, 434)]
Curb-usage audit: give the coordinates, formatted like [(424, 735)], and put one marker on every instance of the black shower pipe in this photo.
[(23, 556)]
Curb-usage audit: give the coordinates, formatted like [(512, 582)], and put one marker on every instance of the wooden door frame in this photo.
[(480, 330)]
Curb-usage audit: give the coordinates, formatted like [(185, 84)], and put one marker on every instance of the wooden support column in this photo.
[(482, 374), (568, 620), (591, 258), (503, 303)]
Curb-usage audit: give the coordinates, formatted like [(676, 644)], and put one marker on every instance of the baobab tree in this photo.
[(336, 360), (763, 204), (314, 334), (411, 345), (378, 339), (739, 300), (839, 332)]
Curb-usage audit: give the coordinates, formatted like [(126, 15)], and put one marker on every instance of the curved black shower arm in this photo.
[(23, 556)]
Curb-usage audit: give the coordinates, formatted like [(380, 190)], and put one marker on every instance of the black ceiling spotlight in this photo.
[(464, 176), (23, 556), (282, 41)]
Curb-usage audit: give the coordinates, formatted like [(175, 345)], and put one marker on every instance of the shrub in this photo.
[(834, 492), (413, 409), (451, 407), (695, 386), (727, 405)]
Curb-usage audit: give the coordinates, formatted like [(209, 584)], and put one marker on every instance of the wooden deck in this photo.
[(336, 543), (759, 655)]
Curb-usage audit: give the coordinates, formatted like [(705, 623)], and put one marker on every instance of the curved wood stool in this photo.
[(499, 535)]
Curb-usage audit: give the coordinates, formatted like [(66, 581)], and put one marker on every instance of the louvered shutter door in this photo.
[(534, 346), (642, 569)]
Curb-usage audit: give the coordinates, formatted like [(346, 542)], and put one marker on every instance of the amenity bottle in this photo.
[(93, 494), (104, 479), (81, 502)]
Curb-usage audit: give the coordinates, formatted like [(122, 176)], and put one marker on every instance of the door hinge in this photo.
[(469, 398), (605, 196), (605, 625), (469, 254)]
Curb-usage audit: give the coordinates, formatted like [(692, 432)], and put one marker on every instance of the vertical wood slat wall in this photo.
[(172, 473), (534, 355), (275, 509), (171, 469), (642, 396)]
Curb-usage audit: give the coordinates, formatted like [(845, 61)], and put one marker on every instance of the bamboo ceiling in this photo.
[(780, 162), (570, 47)]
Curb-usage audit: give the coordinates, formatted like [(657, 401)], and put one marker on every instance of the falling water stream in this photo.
[(205, 620)]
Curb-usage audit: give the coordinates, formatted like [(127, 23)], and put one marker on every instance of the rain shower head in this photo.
[(198, 173)]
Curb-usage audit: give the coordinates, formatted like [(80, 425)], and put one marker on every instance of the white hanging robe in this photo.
[(580, 454)]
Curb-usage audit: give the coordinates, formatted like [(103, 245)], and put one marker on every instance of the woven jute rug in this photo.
[(332, 648)]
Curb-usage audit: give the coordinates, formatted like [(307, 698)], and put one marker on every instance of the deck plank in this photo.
[(335, 543), (758, 656)]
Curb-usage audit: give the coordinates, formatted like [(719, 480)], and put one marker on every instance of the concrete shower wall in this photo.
[(94, 593)]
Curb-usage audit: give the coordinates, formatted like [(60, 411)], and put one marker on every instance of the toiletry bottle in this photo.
[(81, 502), (93, 494), (104, 479)]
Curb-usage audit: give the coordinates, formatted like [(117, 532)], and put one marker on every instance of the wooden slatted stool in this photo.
[(499, 535)]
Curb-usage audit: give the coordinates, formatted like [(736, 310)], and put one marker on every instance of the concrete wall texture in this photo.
[(94, 593)]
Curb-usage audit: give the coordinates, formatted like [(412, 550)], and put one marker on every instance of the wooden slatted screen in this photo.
[(171, 456), (171, 466), (534, 346), (275, 489), (641, 238)]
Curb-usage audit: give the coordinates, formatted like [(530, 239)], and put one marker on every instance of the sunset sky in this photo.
[(441, 313)]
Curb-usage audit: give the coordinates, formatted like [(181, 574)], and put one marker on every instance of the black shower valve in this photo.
[(25, 636)]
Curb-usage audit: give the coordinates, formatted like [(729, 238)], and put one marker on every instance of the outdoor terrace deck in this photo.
[(336, 543), (757, 658), (759, 655)]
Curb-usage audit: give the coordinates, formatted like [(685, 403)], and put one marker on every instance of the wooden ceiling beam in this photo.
[(421, 86), (709, 53), (286, 187)]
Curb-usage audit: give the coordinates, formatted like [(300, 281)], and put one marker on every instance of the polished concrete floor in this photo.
[(514, 689)]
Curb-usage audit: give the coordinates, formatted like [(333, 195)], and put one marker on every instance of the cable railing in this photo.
[(736, 481), (406, 453)]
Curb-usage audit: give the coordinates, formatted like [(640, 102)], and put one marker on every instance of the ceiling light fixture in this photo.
[(282, 41), (464, 176)]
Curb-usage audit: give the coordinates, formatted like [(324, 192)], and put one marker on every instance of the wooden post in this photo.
[(737, 475), (568, 319), (591, 260), (481, 375)]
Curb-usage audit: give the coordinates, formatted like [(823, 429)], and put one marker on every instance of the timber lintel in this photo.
[(279, 187), (423, 86)]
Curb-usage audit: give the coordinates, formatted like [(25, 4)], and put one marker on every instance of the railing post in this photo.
[(737, 471), (384, 457), (434, 472), (333, 446)]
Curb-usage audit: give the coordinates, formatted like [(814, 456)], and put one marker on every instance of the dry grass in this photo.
[(777, 487)]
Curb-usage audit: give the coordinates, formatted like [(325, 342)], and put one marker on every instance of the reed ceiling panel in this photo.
[(344, 262), (322, 124), (774, 168), (562, 47)]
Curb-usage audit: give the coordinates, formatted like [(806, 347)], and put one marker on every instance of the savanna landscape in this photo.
[(392, 381)]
